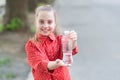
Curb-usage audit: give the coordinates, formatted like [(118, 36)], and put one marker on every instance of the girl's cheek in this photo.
[(52, 28)]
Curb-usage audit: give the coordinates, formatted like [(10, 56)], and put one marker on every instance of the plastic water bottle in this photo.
[(67, 48)]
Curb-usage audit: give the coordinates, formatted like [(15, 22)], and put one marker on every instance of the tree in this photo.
[(32, 4), (16, 9), (16, 13)]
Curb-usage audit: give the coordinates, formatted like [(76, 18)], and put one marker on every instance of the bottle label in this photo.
[(67, 58)]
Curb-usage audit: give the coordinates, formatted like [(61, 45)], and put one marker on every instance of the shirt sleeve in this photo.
[(36, 59), (75, 50)]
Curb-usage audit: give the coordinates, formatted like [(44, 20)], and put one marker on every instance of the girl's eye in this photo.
[(49, 21), (41, 21)]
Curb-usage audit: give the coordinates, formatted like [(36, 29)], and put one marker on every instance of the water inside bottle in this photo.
[(67, 58)]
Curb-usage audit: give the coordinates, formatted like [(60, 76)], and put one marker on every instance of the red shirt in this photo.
[(41, 52)]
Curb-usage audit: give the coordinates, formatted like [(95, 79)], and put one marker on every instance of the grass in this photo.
[(5, 61), (0, 75), (2, 28), (8, 75), (11, 75), (32, 29)]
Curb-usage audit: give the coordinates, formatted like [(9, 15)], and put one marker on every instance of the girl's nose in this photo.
[(45, 25)]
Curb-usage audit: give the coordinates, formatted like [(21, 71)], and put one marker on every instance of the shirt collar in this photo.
[(52, 36), (43, 38)]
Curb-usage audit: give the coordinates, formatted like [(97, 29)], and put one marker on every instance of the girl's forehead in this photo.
[(46, 15)]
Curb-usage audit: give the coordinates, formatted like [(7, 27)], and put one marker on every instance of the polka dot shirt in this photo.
[(41, 52)]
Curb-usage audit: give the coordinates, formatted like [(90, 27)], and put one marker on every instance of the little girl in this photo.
[(44, 50)]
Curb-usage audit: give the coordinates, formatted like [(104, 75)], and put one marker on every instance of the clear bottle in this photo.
[(67, 48)]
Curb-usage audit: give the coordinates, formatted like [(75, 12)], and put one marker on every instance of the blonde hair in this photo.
[(46, 8)]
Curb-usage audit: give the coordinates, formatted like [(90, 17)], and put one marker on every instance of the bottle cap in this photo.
[(66, 32)]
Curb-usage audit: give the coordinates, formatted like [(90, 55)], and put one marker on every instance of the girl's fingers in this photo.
[(57, 61), (73, 36), (73, 33), (64, 64), (74, 39), (61, 63)]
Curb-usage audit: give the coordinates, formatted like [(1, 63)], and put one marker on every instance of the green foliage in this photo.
[(10, 75), (0, 75), (41, 4), (5, 61), (2, 28), (15, 24), (32, 29)]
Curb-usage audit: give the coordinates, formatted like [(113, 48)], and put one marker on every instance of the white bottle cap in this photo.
[(66, 32)]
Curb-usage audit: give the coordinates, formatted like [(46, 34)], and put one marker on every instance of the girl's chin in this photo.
[(45, 34)]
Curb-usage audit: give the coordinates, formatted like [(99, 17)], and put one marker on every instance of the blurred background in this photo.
[(16, 27), (97, 23)]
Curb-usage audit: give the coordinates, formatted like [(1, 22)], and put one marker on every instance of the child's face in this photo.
[(45, 22)]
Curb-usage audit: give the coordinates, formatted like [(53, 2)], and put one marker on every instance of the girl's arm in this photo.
[(37, 60)]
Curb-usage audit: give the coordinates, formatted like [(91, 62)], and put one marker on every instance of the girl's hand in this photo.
[(61, 63), (73, 36), (55, 64)]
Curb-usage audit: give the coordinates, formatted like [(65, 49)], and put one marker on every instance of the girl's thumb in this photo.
[(57, 61)]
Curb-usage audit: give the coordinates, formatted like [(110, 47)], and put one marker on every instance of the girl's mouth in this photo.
[(45, 30)]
